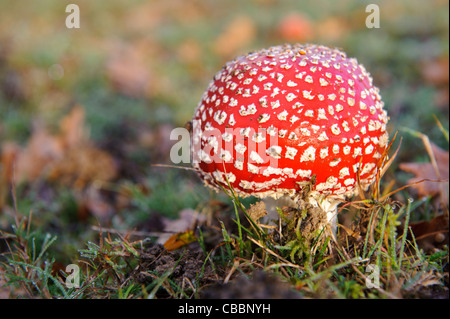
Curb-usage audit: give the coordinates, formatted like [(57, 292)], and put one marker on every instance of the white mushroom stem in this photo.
[(328, 205), (272, 204)]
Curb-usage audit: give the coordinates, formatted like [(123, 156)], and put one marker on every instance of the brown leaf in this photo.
[(92, 201), (8, 156), (72, 128), (238, 33), (431, 234), (438, 171), (9, 152), (257, 211), (436, 71), (332, 28), (189, 51), (180, 239), (127, 70), (27, 164), (187, 220), (67, 156), (82, 166), (296, 27)]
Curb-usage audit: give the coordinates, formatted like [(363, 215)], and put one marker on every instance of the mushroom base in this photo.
[(321, 213)]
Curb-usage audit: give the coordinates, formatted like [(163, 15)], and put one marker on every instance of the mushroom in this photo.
[(302, 123)]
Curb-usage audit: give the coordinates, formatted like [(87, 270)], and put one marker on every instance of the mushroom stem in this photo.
[(327, 205), (272, 204)]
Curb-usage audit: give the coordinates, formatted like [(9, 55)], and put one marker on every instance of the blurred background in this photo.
[(85, 112)]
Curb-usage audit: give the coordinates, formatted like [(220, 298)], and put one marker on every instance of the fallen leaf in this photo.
[(128, 71), (9, 152), (238, 33), (187, 220), (421, 279), (180, 239), (189, 51), (436, 71), (332, 28), (67, 156), (72, 128), (432, 234), (8, 156), (83, 166), (81, 163), (257, 211), (93, 202), (144, 17), (422, 171), (296, 27), (28, 164)]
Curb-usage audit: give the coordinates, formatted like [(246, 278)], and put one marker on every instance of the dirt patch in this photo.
[(260, 285), (180, 266), (306, 220)]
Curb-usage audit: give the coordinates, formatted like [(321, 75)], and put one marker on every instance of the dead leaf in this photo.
[(28, 164), (438, 171), (73, 132), (296, 27), (67, 156), (432, 234), (144, 17), (179, 240), (237, 34), (422, 283), (9, 152), (332, 28), (187, 221), (8, 157), (83, 166), (436, 71), (257, 211), (81, 163), (127, 70), (93, 202), (190, 51)]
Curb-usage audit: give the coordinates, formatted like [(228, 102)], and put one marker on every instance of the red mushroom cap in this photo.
[(278, 119)]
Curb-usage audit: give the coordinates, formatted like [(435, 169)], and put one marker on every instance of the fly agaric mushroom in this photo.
[(302, 122)]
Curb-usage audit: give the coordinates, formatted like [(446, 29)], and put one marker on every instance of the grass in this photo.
[(343, 271), (374, 259)]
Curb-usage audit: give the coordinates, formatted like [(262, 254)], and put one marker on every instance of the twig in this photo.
[(287, 263), (174, 166), (130, 233)]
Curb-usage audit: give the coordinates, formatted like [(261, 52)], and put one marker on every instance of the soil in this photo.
[(189, 265), (182, 264), (260, 285), (306, 219)]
